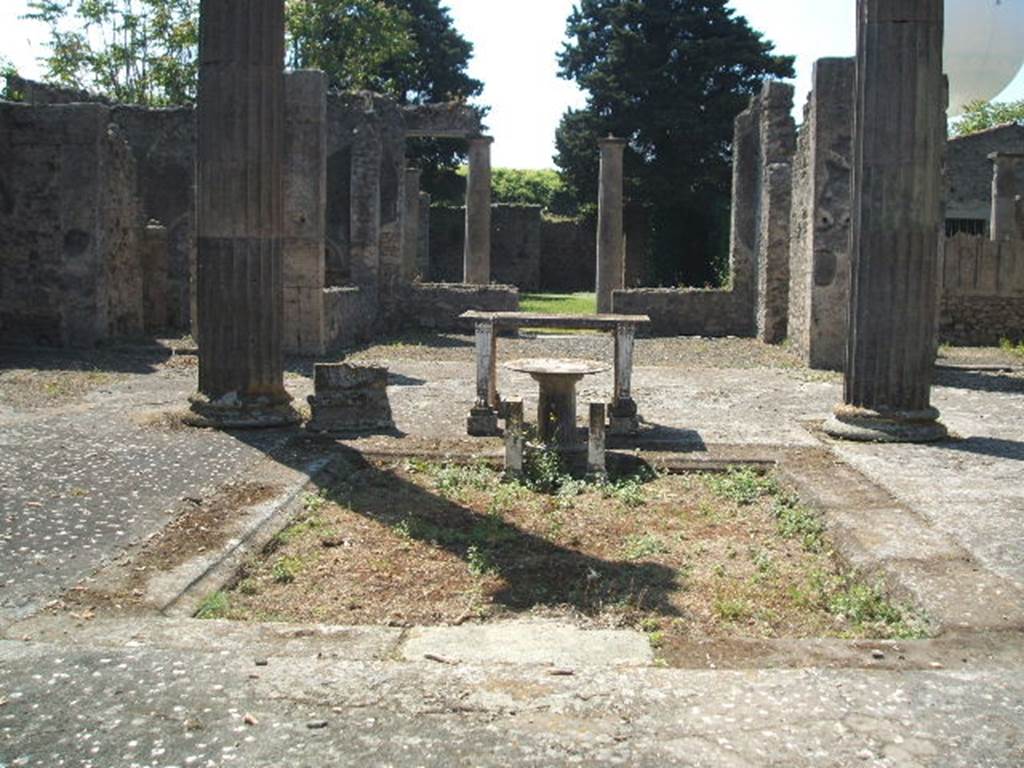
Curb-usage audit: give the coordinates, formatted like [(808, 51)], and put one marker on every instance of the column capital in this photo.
[(480, 139), (611, 141)]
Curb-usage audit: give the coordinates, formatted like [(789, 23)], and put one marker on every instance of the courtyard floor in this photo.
[(115, 523)]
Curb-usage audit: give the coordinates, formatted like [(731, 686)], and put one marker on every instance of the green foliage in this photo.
[(670, 76), (640, 546), (797, 521), (286, 569), (533, 187), (732, 609), (453, 479), (868, 610), (981, 115), (214, 606), (131, 51), (7, 69), (742, 486), (360, 44), (559, 303), (1013, 348)]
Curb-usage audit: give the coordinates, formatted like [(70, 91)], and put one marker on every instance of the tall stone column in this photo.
[(1007, 202), (305, 212), (411, 225), (477, 264), (611, 245), (240, 215), (899, 138)]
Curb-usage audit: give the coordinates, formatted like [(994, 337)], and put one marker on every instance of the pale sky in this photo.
[(516, 42)]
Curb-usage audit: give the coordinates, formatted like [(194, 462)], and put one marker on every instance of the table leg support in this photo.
[(483, 417), (596, 467), (623, 415)]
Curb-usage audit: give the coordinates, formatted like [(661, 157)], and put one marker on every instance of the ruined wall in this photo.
[(982, 291), (819, 255), (70, 269), (437, 306), (163, 142), (778, 144), (969, 171), (732, 311), (568, 255), (516, 243)]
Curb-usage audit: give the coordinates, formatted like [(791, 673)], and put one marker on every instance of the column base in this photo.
[(623, 418), (482, 422), (868, 426), (230, 412)]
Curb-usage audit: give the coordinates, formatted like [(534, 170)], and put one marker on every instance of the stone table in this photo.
[(556, 413)]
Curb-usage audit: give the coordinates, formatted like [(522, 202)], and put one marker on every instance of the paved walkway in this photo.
[(82, 477)]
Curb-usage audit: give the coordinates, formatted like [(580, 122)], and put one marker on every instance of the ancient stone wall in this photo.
[(163, 142), (685, 311), (733, 310), (819, 261), (70, 272), (982, 291), (778, 144), (516, 244), (437, 306), (969, 171), (568, 255)]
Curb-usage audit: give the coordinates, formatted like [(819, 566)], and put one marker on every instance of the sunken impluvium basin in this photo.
[(679, 556)]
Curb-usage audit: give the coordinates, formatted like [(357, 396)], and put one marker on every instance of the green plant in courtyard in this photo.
[(286, 569), (639, 546), (1008, 345), (742, 486), (214, 606), (797, 521)]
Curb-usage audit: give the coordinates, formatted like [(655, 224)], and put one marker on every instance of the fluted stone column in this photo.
[(900, 133), (240, 215), (1007, 200), (477, 264), (611, 244)]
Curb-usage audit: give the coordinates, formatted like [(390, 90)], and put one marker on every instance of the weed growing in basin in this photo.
[(314, 502), (742, 486), (796, 521), (865, 608), (215, 606), (645, 545), (732, 609), (479, 561), (286, 569), (452, 479)]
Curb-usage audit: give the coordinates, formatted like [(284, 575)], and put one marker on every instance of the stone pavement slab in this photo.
[(156, 707)]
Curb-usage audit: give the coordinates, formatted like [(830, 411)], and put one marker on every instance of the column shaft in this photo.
[(611, 244), (477, 263), (900, 131), (240, 203)]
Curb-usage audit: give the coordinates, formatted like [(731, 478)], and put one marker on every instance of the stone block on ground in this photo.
[(350, 398)]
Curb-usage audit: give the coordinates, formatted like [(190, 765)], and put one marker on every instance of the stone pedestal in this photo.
[(154, 277), (350, 398), (900, 134), (623, 413), (477, 261), (596, 462), (1007, 196), (240, 114), (515, 438), (611, 244)]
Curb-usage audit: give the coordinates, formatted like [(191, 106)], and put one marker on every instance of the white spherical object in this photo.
[(984, 48)]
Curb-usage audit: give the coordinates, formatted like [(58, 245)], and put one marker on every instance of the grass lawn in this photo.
[(559, 303), (414, 542)]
